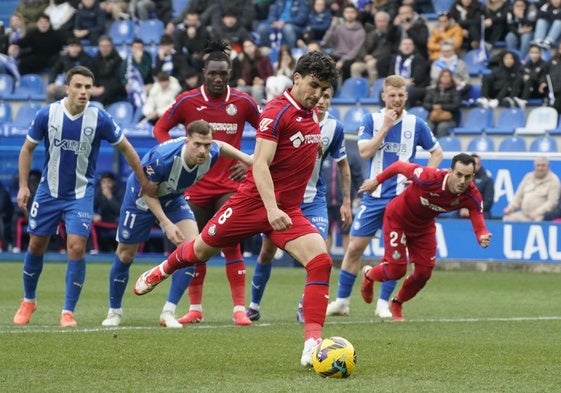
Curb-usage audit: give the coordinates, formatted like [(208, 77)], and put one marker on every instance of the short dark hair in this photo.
[(137, 41), (79, 70), (201, 127), (162, 76), (318, 65), (166, 39), (464, 158), (74, 41)]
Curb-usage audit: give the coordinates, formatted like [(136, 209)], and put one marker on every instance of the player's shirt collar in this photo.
[(207, 97), (291, 99), (67, 112)]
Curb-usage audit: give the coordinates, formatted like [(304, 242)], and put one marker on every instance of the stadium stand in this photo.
[(544, 144), (450, 143), (481, 144), (122, 32), (150, 31), (539, 120), (375, 92), (30, 87), (508, 120), (5, 115), (122, 112), (353, 118), (352, 90), (6, 86), (475, 121), (419, 111), (513, 144)]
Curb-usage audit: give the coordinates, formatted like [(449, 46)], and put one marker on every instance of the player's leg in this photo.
[(235, 272), (75, 276), (260, 277)]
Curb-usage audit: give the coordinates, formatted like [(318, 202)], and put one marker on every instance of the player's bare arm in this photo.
[(263, 156), (170, 229), (369, 186), (148, 188), (435, 157), (344, 172), (485, 240), (24, 164)]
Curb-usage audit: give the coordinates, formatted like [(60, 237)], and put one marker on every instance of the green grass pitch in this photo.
[(466, 332)]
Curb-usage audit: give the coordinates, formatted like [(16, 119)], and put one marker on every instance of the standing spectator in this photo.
[(286, 23), (89, 23), (345, 39), (410, 65), (171, 62), (468, 13), (537, 194), (410, 217), (484, 183), (61, 13), (39, 49), (229, 28), (495, 20), (443, 103), (502, 84), (446, 30), (107, 205), (190, 38), (160, 97), (533, 77), (521, 20), (269, 200), (319, 21), (548, 24), (251, 69), (408, 24), (31, 10), (282, 79), (106, 68), (73, 57), (66, 191), (376, 46), (449, 60)]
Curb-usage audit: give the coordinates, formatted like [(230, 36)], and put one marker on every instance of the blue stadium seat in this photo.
[(150, 31), (374, 98), (6, 86), (544, 144), (475, 66), (26, 114), (122, 112), (5, 113), (30, 87), (97, 104), (442, 5), (177, 6), (513, 144), (121, 32), (509, 119), (353, 118), (476, 121), (335, 112), (419, 111), (352, 90), (450, 143), (481, 144)]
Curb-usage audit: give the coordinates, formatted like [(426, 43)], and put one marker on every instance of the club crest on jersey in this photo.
[(407, 134), (88, 131), (396, 255), (32, 224), (149, 170), (454, 202), (212, 230), (231, 109), (126, 234)]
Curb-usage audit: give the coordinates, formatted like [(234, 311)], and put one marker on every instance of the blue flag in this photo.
[(137, 93), (11, 66), (482, 52)]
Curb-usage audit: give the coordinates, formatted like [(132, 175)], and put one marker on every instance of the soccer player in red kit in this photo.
[(227, 110), (269, 199), (409, 223)]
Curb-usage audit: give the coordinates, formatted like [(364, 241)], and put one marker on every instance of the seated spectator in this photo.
[(250, 71), (244, 11), (74, 56), (107, 206), (502, 84), (467, 13), (204, 9), (484, 183), (39, 49), (6, 213), (115, 10), (495, 14), (190, 38), (409, 24), (31, 10), (533, 76), (345, 39), (521, 20), (142, 9), (554, 90), (443, 102), (229, 28), (89, 23), (12, 33), (160, 97), (376, 46), (411, 66), (446, 30), (61, 14), (448, 60), (107, 62), (548, 24), (537, 194), (318, 22), (282, 78), (285, 24), (140, 59), (169, 61), (388, 6)]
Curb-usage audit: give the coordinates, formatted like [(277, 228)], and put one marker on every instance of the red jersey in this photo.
[(427, 196), (227, 115), (297, 134)]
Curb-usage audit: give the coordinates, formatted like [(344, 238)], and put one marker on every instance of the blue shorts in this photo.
[(317, 214), (369, 217), (136, 221), (47, 212)]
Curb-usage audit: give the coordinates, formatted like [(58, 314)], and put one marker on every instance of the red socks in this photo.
[(196, 285), (414, 283), (385, 271), (316, 295), (182, 256)]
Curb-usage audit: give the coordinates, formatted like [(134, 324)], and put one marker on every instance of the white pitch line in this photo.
[(9, 329)]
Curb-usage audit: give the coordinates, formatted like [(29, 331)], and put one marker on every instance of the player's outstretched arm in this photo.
[(485, 240)]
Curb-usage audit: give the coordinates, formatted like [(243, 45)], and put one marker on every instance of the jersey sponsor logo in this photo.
[(212, 230), (264, 124), (231, 109), (417, 172), (68, 144), (228, 128), (298, 138), (432, 206)]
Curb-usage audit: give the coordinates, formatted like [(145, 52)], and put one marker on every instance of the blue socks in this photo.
[(259, 281), (32, 268), (118, 278), (386, 289), (346, 282), (75, 277), (180, 280)]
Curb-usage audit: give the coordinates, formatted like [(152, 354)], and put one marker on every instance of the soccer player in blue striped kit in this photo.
[(72, 131), (384, 137)]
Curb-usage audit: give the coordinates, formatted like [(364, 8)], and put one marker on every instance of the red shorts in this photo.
[(399, 242), (242, 217)]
